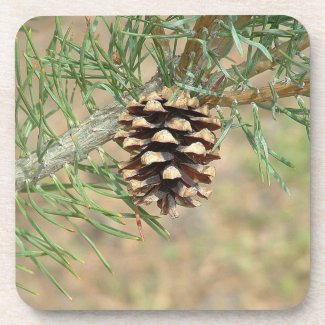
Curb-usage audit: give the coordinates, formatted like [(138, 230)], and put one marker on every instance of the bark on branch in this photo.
[(262, 95), (203, 25), (207, 26), (99, 128)]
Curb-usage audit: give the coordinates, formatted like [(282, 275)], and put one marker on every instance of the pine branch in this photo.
[(102, 125), (265, 64), (202, 29), (99, 128), (207, 28), (262, 64), (262, 95), (221, 45)]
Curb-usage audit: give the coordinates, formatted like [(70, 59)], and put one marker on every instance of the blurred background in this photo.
[(245, 248)]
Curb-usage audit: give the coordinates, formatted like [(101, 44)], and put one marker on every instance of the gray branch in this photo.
[(99, 128)]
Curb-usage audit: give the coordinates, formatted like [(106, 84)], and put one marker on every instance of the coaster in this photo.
[(162, 162)]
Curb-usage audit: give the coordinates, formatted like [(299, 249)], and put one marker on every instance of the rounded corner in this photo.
[(298, 304), (25, 23), (28, 302), (302, 23)]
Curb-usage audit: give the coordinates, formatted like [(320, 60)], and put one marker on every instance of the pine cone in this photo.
[(170, 136)]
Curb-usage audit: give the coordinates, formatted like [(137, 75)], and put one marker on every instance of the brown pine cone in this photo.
[(170, 136)]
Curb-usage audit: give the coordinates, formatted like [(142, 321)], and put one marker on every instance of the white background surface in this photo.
[(14, 13)]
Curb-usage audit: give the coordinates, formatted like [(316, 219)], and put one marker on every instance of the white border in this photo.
[(13, 13)]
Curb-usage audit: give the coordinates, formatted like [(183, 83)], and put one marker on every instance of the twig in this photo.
[(99, 128), (262, 64), (202, 25), (263, 95), (218, 44), (138, 219), (265, 64)]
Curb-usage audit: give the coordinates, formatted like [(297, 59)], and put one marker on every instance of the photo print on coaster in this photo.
[(162, 162)]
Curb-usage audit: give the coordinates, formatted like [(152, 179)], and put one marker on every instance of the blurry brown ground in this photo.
[(245, 248)]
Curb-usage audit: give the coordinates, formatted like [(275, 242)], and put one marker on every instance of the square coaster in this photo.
[(162, 162)]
